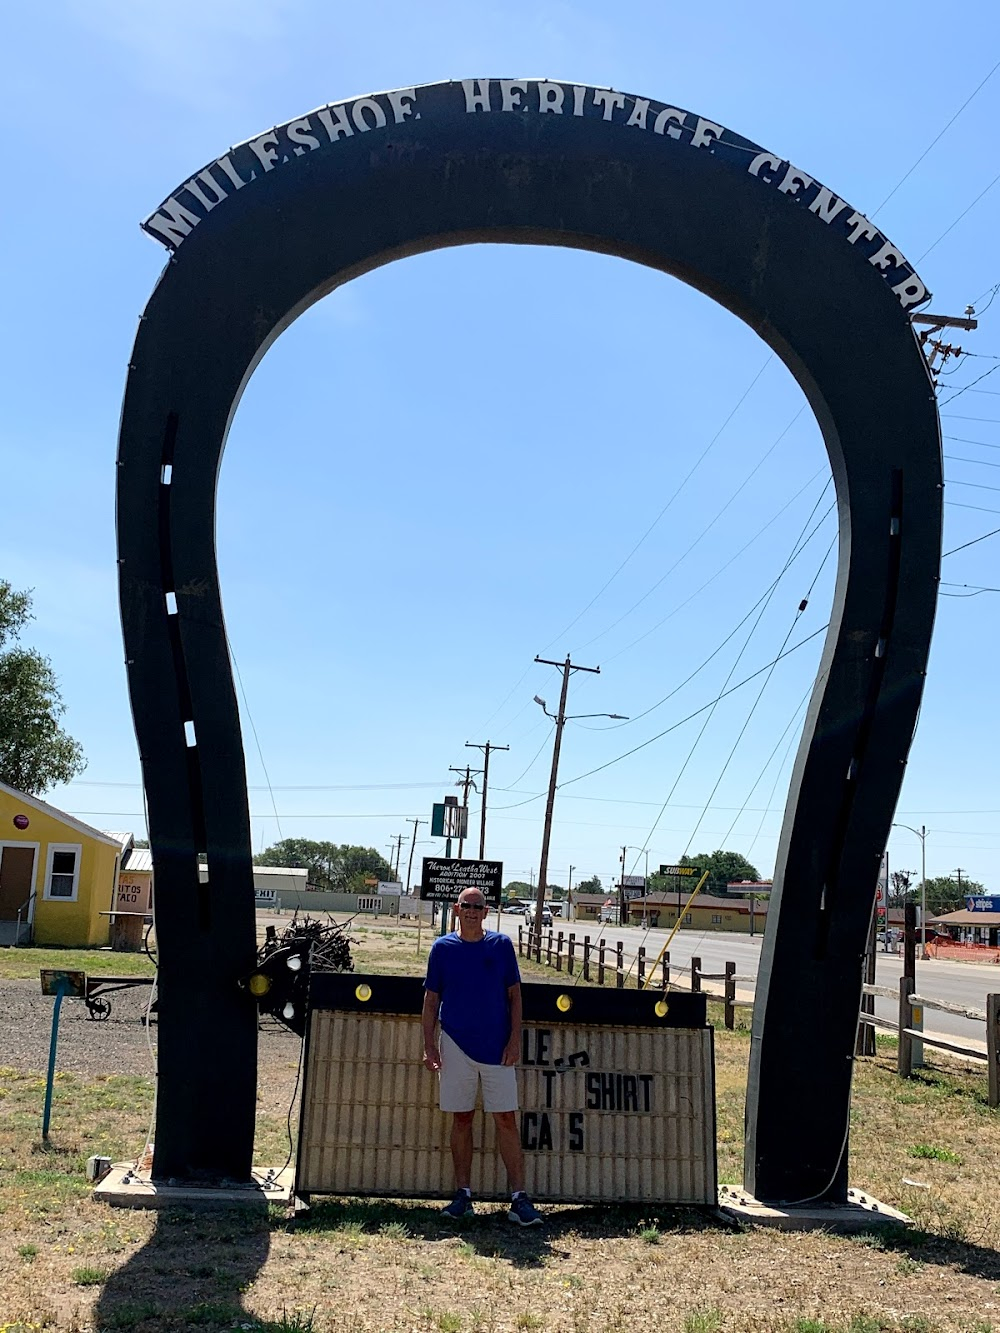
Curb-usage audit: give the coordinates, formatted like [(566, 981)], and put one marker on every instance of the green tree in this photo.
[(517, 888), (944, 895), (35, 752), (592, 885), (331, 865), (722, 867)]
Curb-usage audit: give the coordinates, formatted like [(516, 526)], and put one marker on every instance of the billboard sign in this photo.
[(444, 878), (679, 870), (989, 903)]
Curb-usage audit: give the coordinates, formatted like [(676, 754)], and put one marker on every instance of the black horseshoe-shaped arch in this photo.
[(278, 222)]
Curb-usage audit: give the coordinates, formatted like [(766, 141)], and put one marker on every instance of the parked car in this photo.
[(515, 909), (546, 917)]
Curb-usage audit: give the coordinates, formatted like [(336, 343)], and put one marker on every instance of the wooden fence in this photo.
[(602, 963), (912, 1038)]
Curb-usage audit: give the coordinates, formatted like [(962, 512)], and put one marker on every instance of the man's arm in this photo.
[(512, 1051), (428, 1018)]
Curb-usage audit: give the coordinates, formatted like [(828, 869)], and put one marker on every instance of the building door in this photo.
[(17, 865)]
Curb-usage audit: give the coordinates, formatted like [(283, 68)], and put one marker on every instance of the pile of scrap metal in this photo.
[(280, 981)]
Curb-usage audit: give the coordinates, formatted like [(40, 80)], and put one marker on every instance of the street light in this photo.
[(921, 833), (621, 883)]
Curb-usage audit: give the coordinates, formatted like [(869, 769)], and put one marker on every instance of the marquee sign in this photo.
[(329, 126), (360, 183), (617, 1105)]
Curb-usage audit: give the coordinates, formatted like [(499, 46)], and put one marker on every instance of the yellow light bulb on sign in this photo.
[(661, 1008), (363, 992), (259, 984), (564, 1004)]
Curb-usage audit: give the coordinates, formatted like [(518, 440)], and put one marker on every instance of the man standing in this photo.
[(474, 984)]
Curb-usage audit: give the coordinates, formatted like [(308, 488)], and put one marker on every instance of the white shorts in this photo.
[(460, 1078)]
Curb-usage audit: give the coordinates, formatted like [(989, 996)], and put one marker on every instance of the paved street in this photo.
[(961, 983)]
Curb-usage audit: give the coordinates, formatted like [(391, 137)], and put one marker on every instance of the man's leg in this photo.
[(461, 1147), (509, 1141)]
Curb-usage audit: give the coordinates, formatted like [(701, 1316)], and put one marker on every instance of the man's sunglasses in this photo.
[(472, 907)]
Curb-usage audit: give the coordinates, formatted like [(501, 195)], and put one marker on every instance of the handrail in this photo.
[(17, 926)]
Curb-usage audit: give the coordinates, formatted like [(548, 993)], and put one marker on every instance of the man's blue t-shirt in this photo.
[(472, 978)]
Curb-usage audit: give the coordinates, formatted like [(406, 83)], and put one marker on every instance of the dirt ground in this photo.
[(929, 1146)]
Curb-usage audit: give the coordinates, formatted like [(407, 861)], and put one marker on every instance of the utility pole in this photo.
[(413, 847), (958, 876), (938, 348), (465, 783), (396, 843), (621, 890), (567, 668), (474, 745), (570, 914)]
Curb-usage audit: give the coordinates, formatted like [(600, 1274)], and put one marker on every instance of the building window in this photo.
[(62, 873), (368, 904), (716, 920)]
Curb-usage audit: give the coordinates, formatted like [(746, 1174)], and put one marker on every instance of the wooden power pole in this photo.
[(567, 668), (474, 745)]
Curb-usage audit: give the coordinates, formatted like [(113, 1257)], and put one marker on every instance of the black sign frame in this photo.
[(443, 878)]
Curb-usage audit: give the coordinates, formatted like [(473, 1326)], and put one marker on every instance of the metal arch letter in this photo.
[(445, 177)]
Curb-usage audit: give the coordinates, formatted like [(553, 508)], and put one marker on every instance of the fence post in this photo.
[(600, 962), (559, 945), (640, 966), (695, 974), (586, 957), (548, 950), (538, 946), (904, 1058), (730, 996), (520, 941), (665, 965), (570, 953), (620, 965), (993, 1047)]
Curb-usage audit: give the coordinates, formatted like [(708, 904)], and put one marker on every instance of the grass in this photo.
[(385, 1266), (26, 960), (925, 1150)]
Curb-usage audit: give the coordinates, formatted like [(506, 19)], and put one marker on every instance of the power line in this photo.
[(701, 458), (960, 439), (722, 568), (760, 694), (797, 549), (965, 211), (958, 392), (979, 462), (940, 135), (697, 712), (975, 540), (702, 535)]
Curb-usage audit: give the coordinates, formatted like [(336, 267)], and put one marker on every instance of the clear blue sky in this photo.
[(404, 524)]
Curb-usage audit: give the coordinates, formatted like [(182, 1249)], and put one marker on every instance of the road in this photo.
[(961, 983)]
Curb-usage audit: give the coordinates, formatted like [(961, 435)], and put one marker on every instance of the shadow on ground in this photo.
[(190, 1273), (490, 1233), (927, 1247)]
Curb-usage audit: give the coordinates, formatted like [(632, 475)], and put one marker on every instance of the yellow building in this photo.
[(747, 915), (57, 874)]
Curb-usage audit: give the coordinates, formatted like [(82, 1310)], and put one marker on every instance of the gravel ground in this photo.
[(115, 1046)]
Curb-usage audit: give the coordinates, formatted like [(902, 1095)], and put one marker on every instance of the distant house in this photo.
[(705, 913), (586, 906)]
